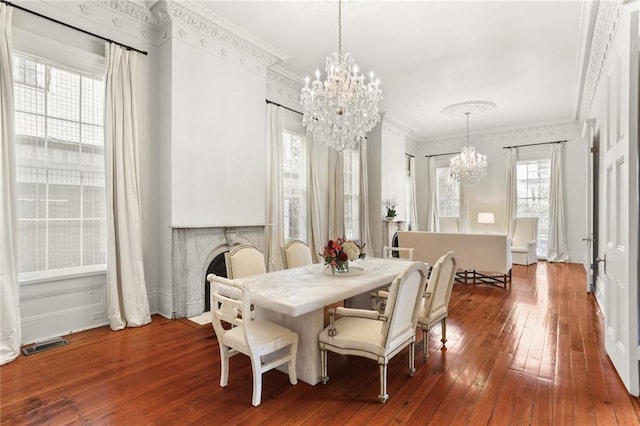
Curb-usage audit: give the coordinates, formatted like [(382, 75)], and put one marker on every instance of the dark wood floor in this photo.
[(531, 354)]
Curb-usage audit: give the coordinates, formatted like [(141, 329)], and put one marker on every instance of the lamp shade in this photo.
[(486, 217)]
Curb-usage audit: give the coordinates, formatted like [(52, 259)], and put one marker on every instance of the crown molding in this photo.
[(511, 135), (605, 26), (391, 121), (129, 9), (286, 78), (195, 17)]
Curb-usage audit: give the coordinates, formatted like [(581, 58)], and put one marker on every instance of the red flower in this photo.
[(343, 257)]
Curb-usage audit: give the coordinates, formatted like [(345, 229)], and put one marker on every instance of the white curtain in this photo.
[(317, 237), (413, 214), (433, 220), (365, 234), (10, 336), (463, 220), (127, 302), (512, 191), (336, 194), (557, 250), (274, 232)]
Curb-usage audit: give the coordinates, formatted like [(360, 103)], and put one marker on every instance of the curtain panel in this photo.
[(512, 191), (432, 196), (317, 235), (365, 233), (127, 302), (274, 236), (10, 333), (336, 194), (557, 251), (413, 214)]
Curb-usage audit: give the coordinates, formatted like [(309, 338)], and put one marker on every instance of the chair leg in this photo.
[(412, 358), (444, 331), (324, 377), (257, 381), (224, 365), (425, 344), (384, 396), (293, 353)]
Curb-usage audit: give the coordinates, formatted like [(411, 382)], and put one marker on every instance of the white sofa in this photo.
[(486, 256)]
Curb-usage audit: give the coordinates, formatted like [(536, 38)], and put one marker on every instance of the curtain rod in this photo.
[(440, 155), (8, 3), (533, 144), (281, 106), (409, 155)]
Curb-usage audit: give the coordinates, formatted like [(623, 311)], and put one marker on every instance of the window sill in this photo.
[(62, 275)]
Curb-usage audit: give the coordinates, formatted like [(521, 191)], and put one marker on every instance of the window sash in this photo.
[(60, 183)]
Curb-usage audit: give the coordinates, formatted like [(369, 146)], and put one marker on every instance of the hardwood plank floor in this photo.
[(530, 354)]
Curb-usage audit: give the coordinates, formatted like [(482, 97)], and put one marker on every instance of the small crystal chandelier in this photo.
[(341, 110), (468, 167)]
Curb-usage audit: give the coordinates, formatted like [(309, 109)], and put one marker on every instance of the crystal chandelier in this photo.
[(341, 110), (468, 167)]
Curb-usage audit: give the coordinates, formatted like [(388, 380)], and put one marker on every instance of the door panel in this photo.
[(618, 262)]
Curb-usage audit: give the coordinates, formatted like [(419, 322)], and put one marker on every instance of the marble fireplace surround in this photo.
[(192, 250)]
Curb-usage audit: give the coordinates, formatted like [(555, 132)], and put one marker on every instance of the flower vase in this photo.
[(342, 267)]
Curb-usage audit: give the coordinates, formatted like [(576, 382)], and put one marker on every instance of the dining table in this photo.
[(295, 298)]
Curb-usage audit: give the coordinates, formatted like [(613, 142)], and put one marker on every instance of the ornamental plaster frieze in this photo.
[(607, 17), (514, 136), (130, 9), (192, 18), (393, 125)]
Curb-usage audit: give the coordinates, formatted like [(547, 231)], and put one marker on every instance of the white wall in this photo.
[(490, 194), (218, 155)]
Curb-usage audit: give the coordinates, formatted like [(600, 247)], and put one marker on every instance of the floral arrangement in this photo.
[(390, 204), (338, 252)]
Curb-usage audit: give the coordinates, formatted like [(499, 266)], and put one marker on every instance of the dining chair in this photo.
[(377, 298), (296, 253), (243, 261), (370, 334), (435, 304), (230, 302)]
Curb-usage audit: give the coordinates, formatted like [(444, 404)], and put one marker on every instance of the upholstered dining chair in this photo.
[(370, 334), (525, 241), (243, 261), (435, 304), (230, 302), (296, 253), (377, 297)]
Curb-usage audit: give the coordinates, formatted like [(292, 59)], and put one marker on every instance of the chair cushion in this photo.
[(356, 333), (263, 332), (519, 249)]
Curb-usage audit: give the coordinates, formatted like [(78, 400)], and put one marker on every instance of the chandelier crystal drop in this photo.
[(468, 167), (341, 110)]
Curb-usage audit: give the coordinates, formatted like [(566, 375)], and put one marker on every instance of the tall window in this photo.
[(448, 194), (351, 194), (294, 176), (60, 185), (533, 196)]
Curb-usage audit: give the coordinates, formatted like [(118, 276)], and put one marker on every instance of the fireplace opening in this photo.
[(217, 267)]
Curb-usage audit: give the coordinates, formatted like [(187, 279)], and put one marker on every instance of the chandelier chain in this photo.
[(340, 27)]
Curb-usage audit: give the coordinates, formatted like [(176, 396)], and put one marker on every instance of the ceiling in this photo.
[(429, 54)]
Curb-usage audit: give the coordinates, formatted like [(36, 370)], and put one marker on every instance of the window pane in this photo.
[(294, 178), (448, 193), (533, 196), (351, 170), (60, 195)]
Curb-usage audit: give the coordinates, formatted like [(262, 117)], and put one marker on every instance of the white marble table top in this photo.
[(298, 291)]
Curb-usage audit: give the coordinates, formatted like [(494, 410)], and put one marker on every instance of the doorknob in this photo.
[(589, 239), (603, 259)]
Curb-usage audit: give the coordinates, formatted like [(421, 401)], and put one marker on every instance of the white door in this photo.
[(619, 235), (588, 130)]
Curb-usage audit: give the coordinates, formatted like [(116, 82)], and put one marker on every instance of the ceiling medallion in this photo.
[(468, 167)]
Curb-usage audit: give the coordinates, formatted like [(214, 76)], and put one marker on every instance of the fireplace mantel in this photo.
[(193, 249)]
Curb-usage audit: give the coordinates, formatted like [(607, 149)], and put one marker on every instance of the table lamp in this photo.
[(486, 218)]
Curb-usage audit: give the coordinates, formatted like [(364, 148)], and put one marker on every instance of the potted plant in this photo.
[(390, 204)]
